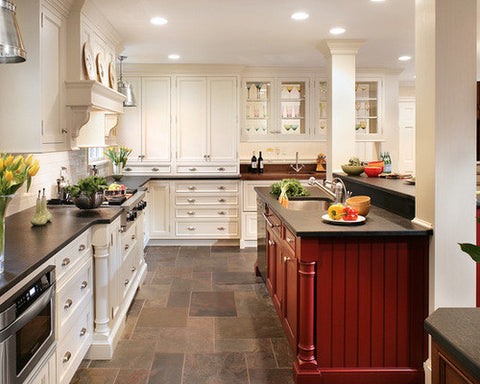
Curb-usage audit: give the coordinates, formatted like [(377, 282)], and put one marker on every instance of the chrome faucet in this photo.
[(297, 167), (336, 189)]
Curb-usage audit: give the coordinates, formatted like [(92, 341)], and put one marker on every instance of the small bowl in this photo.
[(373, 171), (353, 170), (360, 203), (89, 202)]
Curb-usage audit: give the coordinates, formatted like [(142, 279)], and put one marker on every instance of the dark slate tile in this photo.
[(249, 305), (243, 345), (186, 340), (261, 360), (154, 295), (194, 252), (283, 352), (162, 317), (94, 376), (145, 333), (271, 376), (135, 307), (178, 299), (132, 376), (261, 291), (130, 323), (236, 278), (191, 284), (213, 304), (218, 368), (167, 368), (223, 249), (248, 327), (129, 354)]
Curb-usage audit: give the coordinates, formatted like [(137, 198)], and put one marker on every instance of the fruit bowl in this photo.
[(84, 201), (353, 170), (360, 203), (373, 171)]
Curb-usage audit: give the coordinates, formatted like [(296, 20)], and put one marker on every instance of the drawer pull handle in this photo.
[(67, 357), (65, 262), (271, 243), (191, 200), (155, 169), (133, 269), (82, 248), (191, 213), (126, 247), (222, 213), (220, 169), (191, 188), (128, 169), (286, 259), (289, 241), (83, 332), (222, 187), (68, 304), (126, 282), (84, 285), (269, 223), (134, 237), (192, 169), (221, 228), (222, 200), (191, 228), (122, 229)]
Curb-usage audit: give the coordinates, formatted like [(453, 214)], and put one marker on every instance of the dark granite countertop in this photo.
[(457, 330), (393, 186), (309, 223), (28, 247)]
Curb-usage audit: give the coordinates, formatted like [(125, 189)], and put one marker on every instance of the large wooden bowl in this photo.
[(360, 203)]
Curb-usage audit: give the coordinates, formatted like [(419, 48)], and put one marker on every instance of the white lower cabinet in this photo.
[(159, 209), (249, 226)]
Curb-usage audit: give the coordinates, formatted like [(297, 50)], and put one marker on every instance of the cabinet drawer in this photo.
[(72, 349), (199, 212), (129, 239), (68, 258), (290, 239), (72, 297), (210, 169), (204, 229), (193, 200), (212, 187), (147, 169), (274, 223), (128, 272)]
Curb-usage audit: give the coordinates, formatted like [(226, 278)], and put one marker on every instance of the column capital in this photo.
[(330, 47)]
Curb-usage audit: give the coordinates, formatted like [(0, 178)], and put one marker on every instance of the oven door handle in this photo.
[(33, 310)]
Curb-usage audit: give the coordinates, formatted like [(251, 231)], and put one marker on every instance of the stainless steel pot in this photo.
[(84, 201)]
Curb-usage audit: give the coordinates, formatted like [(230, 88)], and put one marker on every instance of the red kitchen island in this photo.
[(352, 300)]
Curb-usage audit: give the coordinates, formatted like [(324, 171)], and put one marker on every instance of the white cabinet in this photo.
[(159, 209), (129, 129), (406, 163)]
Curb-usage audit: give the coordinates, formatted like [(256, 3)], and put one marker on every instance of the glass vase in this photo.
[(117, 171), (4, 201)]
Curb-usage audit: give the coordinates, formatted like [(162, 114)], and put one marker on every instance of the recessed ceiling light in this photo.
[(174, 56), (300, 16), (158, 21), (337, 31), (404, 58)]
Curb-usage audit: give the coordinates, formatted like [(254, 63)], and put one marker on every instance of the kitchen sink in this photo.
[(309, 205)]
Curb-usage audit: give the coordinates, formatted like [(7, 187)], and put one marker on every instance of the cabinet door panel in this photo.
[(129, 131), (51, 70), (278, 297), (222, 119), (191, 118), (156, 118), (159, 209), (271, 254), (290, 299)]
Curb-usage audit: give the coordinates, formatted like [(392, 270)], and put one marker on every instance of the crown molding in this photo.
[(329, 47)]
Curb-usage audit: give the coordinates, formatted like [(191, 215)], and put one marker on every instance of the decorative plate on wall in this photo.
[(112, 73), (89, 62), (102, 70)]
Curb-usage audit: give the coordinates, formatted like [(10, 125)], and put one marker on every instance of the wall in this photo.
[(283, 151)]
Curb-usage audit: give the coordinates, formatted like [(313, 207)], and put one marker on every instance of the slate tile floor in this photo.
[(202, 317)]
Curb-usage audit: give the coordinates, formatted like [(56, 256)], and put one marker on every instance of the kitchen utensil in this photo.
[(360, 203), (83, 201)]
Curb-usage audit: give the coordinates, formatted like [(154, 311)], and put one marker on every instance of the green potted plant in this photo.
[(119, 160), (88, 192)]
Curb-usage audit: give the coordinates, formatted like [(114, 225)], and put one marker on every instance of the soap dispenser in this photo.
[(38, 219)]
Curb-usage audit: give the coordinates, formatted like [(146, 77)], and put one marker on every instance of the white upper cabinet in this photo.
[(191, 119), (156, 118), (223, 132)]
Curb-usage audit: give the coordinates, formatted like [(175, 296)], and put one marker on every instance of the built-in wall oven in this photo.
[(27, 327)]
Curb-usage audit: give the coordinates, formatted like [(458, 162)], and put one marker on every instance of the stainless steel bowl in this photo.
[(89, 202)]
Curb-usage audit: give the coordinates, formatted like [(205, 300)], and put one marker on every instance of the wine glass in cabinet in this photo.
[(257, 96), (367, 120), (293, 107)]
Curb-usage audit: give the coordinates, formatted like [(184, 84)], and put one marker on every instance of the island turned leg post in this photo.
[(306, 361)]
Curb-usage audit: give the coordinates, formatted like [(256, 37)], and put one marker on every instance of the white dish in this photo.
[(359, 220)]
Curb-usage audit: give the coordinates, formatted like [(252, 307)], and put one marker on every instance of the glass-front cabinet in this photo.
[(367, 110), (321, 118), (258, 108)]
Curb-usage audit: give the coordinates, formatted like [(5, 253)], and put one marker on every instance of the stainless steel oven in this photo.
[(27, 327)]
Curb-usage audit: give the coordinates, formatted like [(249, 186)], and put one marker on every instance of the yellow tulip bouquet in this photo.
[(13, 174)]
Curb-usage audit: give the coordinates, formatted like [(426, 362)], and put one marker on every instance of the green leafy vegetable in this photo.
[(89, 185), (472, 250), (291, 188)]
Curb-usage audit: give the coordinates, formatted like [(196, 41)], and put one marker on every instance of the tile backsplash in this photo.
[(282, 151)]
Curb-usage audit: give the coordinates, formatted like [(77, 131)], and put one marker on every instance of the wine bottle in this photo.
[(253, 163), (260, 163)]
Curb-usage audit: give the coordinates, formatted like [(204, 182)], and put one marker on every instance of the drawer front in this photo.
[(67, 259), (249, 194), (204, 229), (290, 239), (210, 169), (146, 169), (199, 212), (274, 223), (128, 272), (211, 187), (72, 349), (72, 297), (129, 239), (194, 200)]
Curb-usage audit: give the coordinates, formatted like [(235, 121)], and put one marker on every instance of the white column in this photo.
[(340, 55), (445, 143)]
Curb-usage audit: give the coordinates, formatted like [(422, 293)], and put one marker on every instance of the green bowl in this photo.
[(353, 170)]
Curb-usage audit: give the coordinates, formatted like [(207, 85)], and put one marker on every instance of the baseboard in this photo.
[(194, 242), (248, 244)]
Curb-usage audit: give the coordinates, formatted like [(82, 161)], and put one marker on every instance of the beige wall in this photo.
[(308, 151), (407, 91)]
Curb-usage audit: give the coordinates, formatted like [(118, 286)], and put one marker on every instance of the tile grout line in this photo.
[(183, 367), (246, 364), (274, 354)]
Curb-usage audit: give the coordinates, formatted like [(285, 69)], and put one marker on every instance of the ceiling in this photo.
[(261, 32)]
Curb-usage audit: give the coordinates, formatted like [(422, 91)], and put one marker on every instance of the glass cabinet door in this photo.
[(292, 108), (322, 108), (258, 98), (366, 108)]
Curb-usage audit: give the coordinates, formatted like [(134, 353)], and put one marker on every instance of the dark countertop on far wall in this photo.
[(310, 224), (28, 247), (457, 330)]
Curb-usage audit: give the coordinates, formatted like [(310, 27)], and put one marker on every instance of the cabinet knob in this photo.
[(68, 304), (191, 188), (127, 169), (155, 169), (191, 228), (286, 259), (82, 248), (221, 200), (126, 247), (84, 285), (83, 331), (289, 240), (191, 200), (220, 169), (271, 243), (222, 213), (134, 237), (64, 130), (191, 213), (67, 357), (126, 282), (222, 187), (192, 169), (133, 269), (221, 228), (65, 262)]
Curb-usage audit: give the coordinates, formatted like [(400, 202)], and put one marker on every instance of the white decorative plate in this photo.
[(89, 62), (112, 74), (359, 220), (102, 70)]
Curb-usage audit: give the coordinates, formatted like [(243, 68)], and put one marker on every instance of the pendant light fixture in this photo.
[(125, 88), (12, 49)]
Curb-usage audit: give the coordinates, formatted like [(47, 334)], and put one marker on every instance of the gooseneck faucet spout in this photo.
[(336, 189)]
